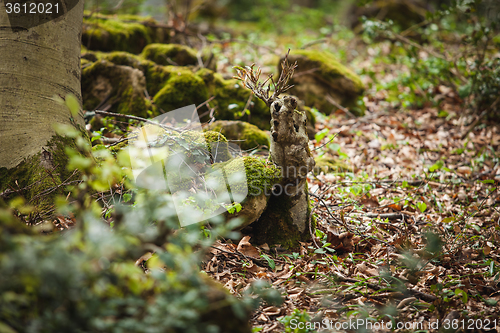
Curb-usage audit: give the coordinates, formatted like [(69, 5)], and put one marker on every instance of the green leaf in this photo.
[(66, 130), (491, 302), (73, 104), (321, 134), (334, 146), (319, 233), (436, 166), (462, 294), (422, 206), (442, 114), (127, 197), (79, 162), (270, 261)]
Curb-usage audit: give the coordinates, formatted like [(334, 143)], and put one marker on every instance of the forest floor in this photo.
[(407, 231)]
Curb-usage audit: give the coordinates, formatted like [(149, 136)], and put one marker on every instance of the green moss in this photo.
[(261, 176), (132, 103), (212, 136), (325, 75), (230, 99), (120, 85), (181, 88), (246, 135), (170, 54), (123, 59), (329, 68), (328, 164), (113, 34), (38, 177)]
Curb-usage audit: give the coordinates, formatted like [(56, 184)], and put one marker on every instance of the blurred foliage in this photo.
[(281, 16), (456, 47), (133, 7), (86, 279)]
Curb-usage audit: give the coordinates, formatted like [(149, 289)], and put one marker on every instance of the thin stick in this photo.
[(113, 114), (332, 101)]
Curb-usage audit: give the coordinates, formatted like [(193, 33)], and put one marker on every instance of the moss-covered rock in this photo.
[(323, 75), (109, 75), (261, 176), (120, 87), (231, 98), (170, 54), (180, 87), (245, 135), (123, 59), (329, 164), (125, 33), (404, 13)]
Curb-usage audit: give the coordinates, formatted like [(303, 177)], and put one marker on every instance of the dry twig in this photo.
[(250, 78)]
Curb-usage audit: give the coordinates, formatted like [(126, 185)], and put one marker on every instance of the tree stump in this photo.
[(286, 217)]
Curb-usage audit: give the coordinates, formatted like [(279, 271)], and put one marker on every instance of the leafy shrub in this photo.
[(456, 48), (86, 279)]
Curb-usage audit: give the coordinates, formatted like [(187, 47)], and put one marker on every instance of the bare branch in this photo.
[(250, 78)]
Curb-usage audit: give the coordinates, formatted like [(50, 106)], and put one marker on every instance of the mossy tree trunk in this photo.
[(286, 217), (40, 61)]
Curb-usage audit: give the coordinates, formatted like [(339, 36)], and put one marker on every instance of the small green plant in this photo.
[(471, 70), (298, 322)]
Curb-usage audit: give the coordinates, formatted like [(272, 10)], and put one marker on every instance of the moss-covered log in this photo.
[(245, 135), (125, 33), (323, 78)]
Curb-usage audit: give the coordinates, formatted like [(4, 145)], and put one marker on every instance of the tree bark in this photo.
[(37, 65), (286, 217)]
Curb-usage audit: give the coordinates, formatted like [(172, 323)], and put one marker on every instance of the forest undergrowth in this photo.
[(408, 226), (404, 229)]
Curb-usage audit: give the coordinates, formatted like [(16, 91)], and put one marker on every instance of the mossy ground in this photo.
[(120, 86), (246, 135), (329, 164), (170, 87), (125, 33), (328, 76), (38, 178), (170, 54)]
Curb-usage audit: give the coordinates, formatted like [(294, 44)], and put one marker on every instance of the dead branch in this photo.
[(250, 78)]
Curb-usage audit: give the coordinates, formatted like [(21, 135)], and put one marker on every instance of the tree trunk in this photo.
[(286, 217), (40, 63)]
